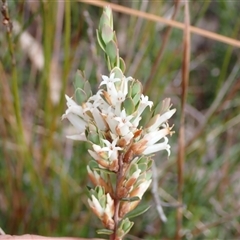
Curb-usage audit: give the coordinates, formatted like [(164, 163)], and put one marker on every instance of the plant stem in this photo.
[(117, 198), (14, 81)]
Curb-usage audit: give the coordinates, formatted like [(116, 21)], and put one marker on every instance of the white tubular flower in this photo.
[(74, 108), (93, 154), (112, 123), (136, 121), (124, 84), (124, 124), (111, 88), (98, 101), (109, 80), (124, 118), (158, 147), (144, 102), (70, 101), (79, 137), (117, 101), (100, 153), (111, 149), (100, 122), (155, 136), (160, 119), (76, 121)]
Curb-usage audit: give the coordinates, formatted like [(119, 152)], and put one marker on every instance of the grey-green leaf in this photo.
[(100, 41), (104, 170), (122, 65), (80, 96), (143, 167), (136, 88), (117, 72), (133, 168), (107, 34), (94, 138), (138, 211), (87, 89), (108, 12), (136, 98), (129, 105), (79, 79), (130, 199), (104, 20), (93, 164), (105, 231), (112, 51)]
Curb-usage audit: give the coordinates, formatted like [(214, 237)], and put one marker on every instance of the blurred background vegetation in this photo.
[(43, 175)]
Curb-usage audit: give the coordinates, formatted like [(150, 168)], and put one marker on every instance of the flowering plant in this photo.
[(121, 143)]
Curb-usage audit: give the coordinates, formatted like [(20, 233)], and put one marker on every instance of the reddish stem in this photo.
[(117, 199)]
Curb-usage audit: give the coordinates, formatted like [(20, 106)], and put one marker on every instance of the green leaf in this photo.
[(80, 96), (148, 175), (146, 115), (104, 170), (100, 41), (162, 106), (104, 20), (108, 12), (100, 191), (152, 120), (109, 65), (143, 167), (122, 65), (143, 159), (79, 79), (129, 106), (136, 99), (107, 34), (102, 200), (131, 199), (133, 168), (111, 51), (94, 138), (136, 88), (156, 108), (87, 89), (93, 164), (150, 162), (147, 161), (140, 209), (104, 231), (117, 72)]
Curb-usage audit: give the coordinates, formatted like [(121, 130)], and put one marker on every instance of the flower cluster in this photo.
[(111, 121)]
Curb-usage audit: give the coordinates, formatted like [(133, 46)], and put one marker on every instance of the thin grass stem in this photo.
[(161, 50), (152, 17), (181, 139)]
